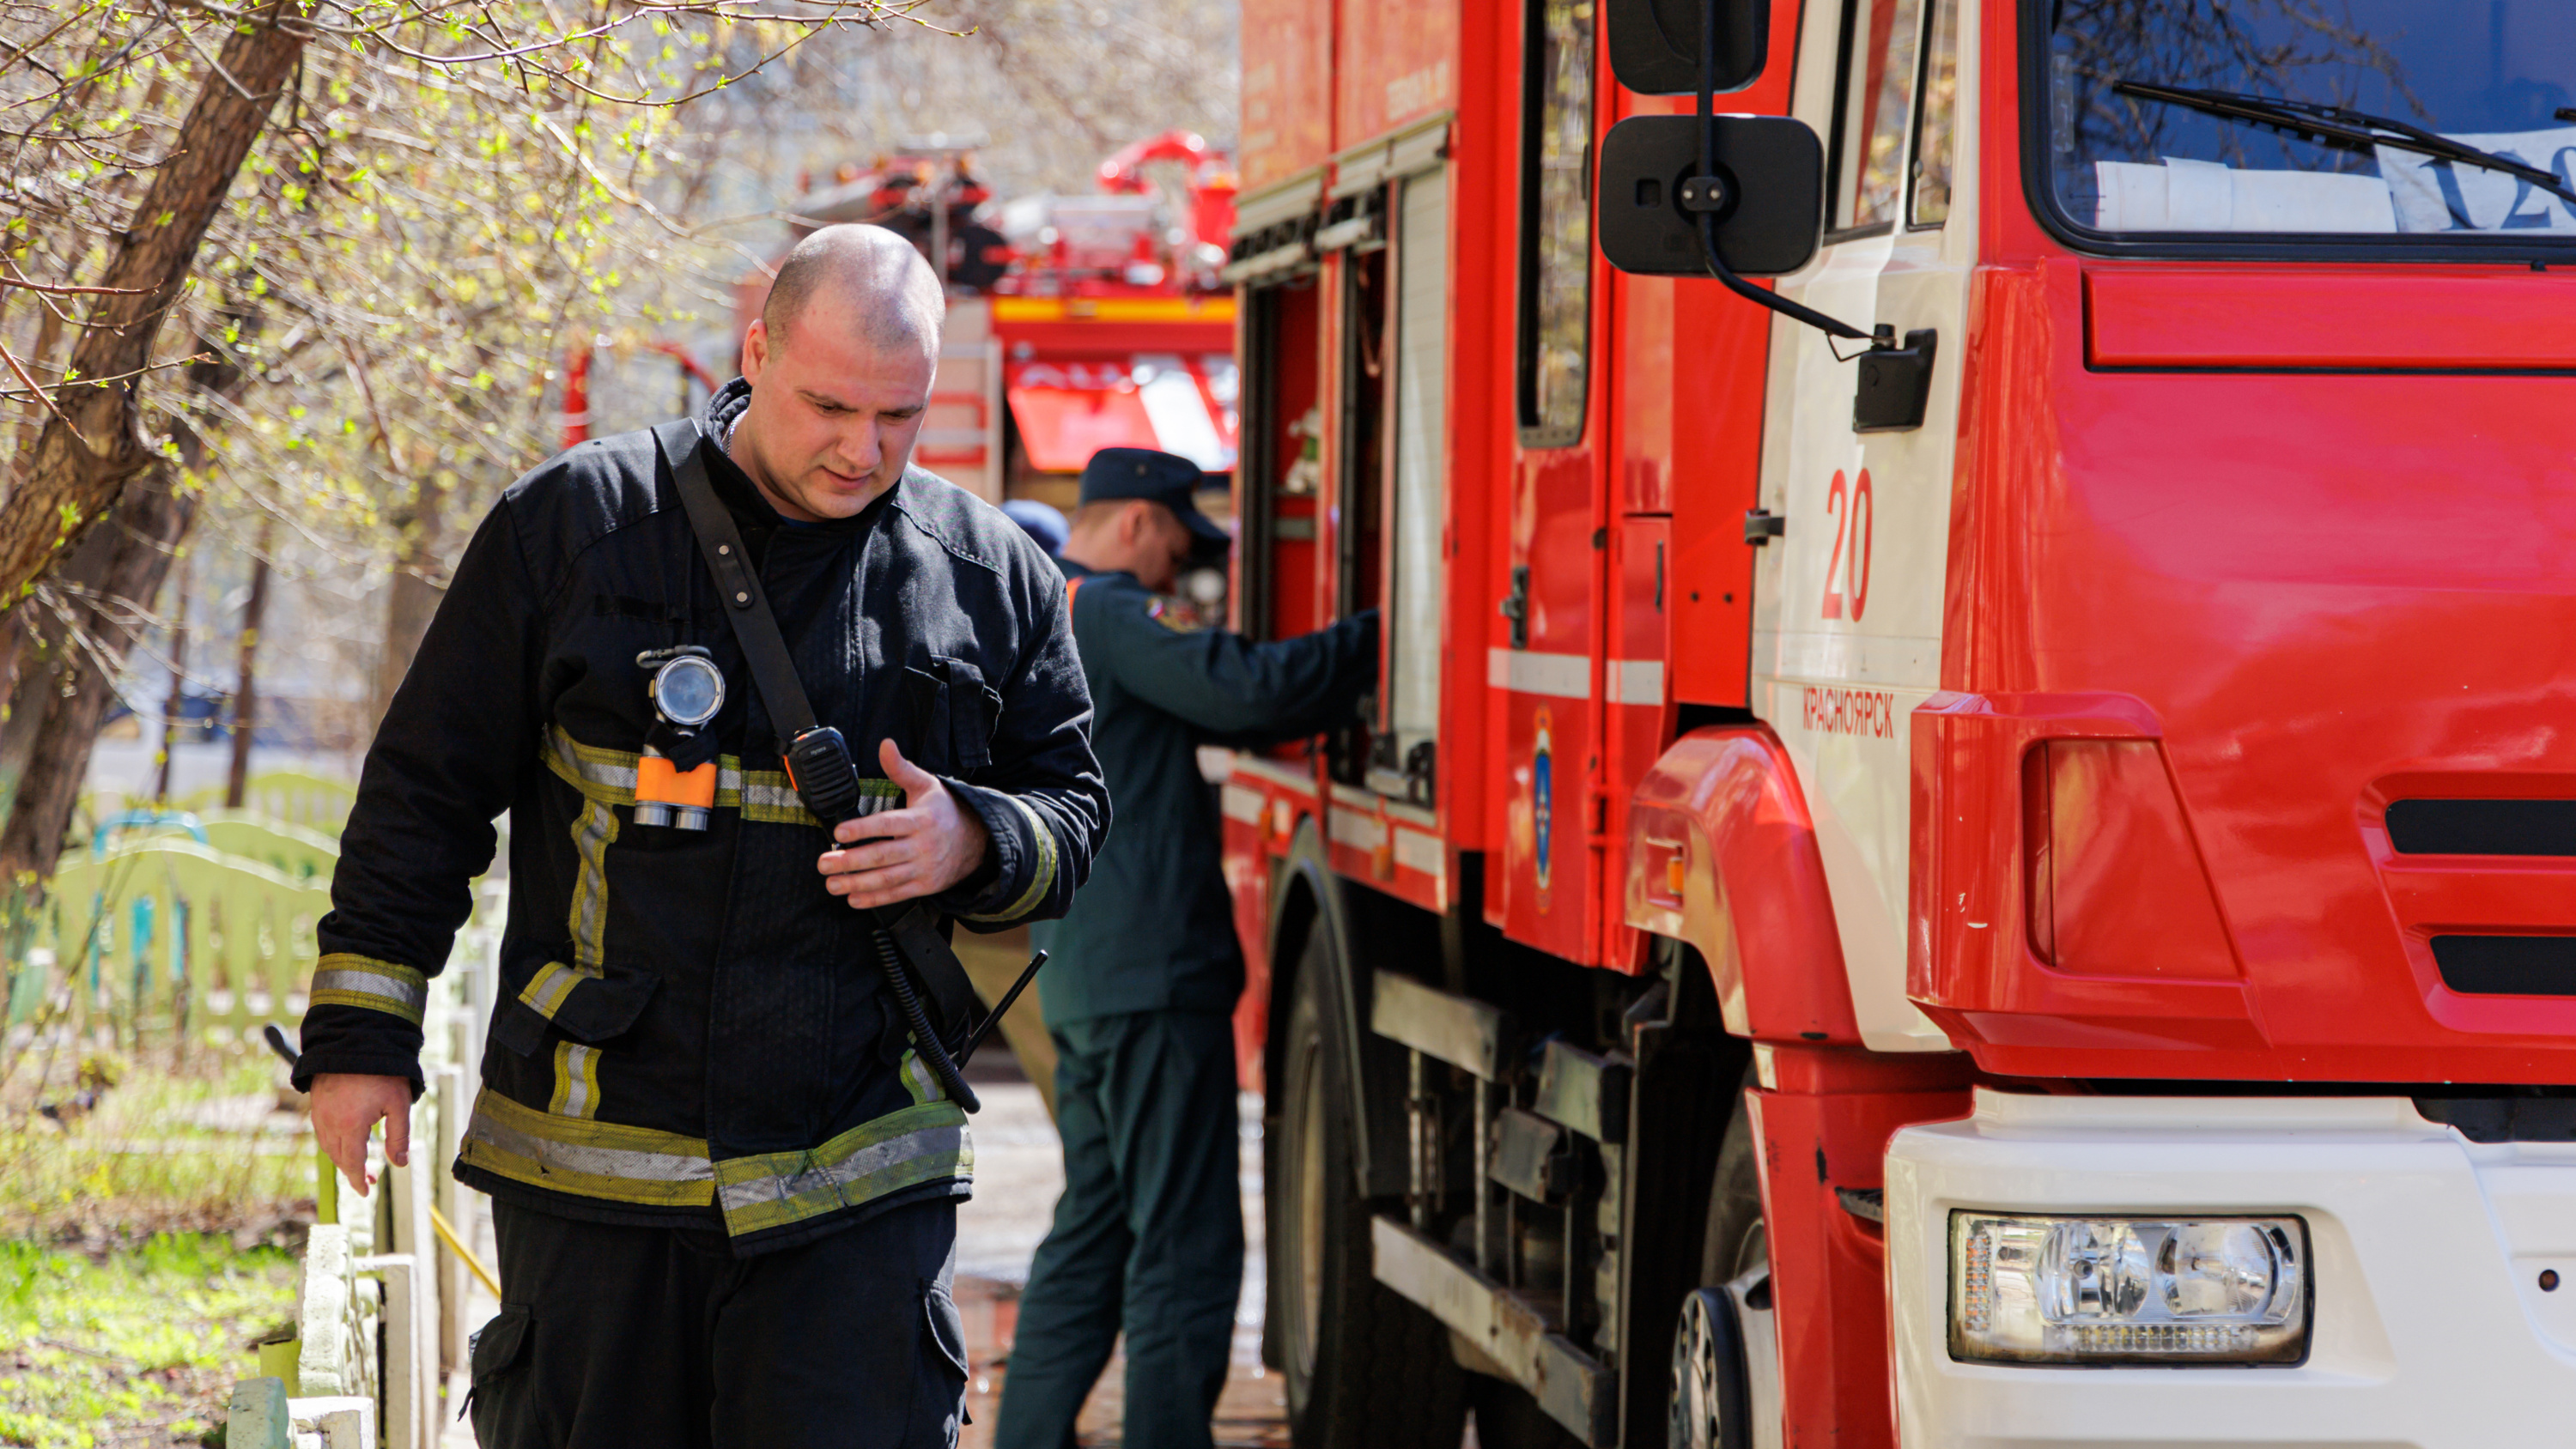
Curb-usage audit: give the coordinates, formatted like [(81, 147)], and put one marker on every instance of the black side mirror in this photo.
[(1654, 44), (1767, 194)]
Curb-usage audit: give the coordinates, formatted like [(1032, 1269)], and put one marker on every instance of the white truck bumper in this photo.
[(2426, 1255)]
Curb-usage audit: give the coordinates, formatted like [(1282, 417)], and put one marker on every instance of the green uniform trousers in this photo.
[(1148, 1236)]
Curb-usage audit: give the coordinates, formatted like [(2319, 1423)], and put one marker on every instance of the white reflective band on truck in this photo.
[(1566, 676), (1633, 681)]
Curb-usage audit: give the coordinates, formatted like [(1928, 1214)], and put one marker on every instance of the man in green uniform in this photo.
[(1140, 995)]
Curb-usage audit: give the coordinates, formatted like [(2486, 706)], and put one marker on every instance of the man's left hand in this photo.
[(930, 844)]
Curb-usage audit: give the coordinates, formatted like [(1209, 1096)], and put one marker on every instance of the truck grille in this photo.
[(2482, 827), (2507, 965)]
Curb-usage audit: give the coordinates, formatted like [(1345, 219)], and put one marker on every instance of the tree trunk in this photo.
[(118, 571), (246, 698), (172, 709), (75, 477), (413, 595)]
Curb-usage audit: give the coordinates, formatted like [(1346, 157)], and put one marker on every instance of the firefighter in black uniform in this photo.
[(724, 1179), (1139, 997)]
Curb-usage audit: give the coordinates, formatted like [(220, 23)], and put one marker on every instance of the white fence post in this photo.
[(406, 1392), (411, 1355), (447, 1095), (335, 1336)]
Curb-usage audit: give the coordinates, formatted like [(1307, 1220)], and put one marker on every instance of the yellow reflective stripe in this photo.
[(586, 1157), (576, 1081), (343, 979), (545, 991), (927, 1142), (593, 831), (770, 797), (607, 777), (1041, 880)]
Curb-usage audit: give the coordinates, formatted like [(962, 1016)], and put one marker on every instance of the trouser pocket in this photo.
[(939, 1384), (498, 1395)]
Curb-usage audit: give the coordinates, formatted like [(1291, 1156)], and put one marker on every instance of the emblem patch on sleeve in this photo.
[(1174, 613)]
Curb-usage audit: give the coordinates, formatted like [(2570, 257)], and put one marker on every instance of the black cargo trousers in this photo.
[(620, 1337)]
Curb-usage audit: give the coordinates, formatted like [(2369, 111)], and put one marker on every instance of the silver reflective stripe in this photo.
[(918, 1080), (576, 1081), (616, 774), (596, 1161), (762, 795), (409, 997), (547, 989), (1041, 877), (876, 795), (864, 1163)]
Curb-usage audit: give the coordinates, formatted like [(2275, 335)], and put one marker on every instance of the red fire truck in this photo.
[(1974, 844)]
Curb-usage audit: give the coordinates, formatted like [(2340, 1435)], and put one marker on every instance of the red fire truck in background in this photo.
[(1990, 860), (1075, 323)]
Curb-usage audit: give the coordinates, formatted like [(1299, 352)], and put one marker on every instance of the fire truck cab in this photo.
[(1970, 844)]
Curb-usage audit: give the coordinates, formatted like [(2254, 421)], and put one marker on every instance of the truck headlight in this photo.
[(2031, 1289)]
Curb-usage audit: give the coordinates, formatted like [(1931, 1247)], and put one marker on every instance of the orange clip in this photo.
[(657, 783)]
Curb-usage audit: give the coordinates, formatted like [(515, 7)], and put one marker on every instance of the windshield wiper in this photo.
[(2342, 129)]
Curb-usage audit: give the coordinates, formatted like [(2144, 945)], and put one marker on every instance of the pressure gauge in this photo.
[(688, 690)]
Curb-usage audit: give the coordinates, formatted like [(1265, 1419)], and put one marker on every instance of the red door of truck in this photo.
[(1551, 536)]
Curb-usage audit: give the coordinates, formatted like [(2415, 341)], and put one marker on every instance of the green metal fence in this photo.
[(174, 921)]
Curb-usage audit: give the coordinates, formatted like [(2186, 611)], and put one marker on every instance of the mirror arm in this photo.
[(1882, 339)]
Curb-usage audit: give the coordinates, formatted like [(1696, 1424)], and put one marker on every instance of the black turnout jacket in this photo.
[(690, 1028)]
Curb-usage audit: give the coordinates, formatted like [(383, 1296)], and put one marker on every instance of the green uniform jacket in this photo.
[(1152, 931)]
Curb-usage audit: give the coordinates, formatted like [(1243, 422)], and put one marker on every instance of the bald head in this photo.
[(857, 277), (840, 366)]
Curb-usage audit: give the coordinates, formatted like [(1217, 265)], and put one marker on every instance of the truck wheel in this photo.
[(1726, 1363), (1364, 1367)]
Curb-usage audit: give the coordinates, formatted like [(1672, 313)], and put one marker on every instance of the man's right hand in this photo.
[(347, 1106)]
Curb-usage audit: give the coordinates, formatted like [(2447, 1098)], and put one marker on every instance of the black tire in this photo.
[(1711, 1414), (1364, 1367), (1735, 1241)]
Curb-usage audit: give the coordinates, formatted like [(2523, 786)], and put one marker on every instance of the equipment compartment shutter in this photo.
[(1421, 458), (1070, 408)]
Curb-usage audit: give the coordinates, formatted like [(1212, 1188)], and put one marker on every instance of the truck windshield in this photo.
[(2447, 119)]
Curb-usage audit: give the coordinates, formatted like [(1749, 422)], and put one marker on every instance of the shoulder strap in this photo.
[(910, 926), (754, 626)]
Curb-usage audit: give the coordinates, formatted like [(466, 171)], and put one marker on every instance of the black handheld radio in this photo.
[(827, 780)]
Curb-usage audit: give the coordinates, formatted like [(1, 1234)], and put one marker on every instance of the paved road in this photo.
[(1018, 1174)]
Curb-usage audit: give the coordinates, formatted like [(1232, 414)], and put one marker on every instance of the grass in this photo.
[(147, 1236), (141, 1347), (163, 1149)]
